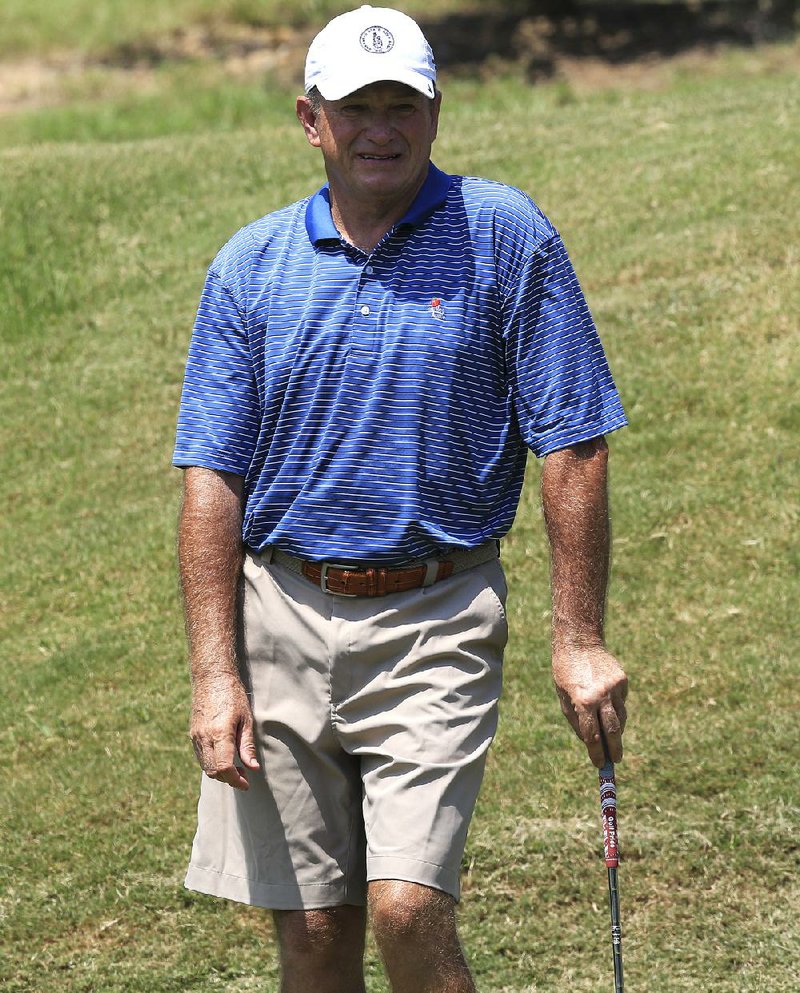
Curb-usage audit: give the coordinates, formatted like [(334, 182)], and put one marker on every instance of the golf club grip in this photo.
[(608, 810)]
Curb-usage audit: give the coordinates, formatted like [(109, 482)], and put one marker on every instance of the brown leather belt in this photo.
[(380, 581), (372, 581)]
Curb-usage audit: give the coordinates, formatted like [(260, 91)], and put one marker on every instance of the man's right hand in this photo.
[(221, 727)]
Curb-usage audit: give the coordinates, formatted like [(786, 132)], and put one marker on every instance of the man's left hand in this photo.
[(592, 688)]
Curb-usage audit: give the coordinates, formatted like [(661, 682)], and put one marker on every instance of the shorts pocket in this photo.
[(495, 578)]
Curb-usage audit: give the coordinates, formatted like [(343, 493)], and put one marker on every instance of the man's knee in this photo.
[(408, 912), (320, 934)]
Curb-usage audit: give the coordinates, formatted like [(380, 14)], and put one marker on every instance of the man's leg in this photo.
[(415, 927), (322, 951)]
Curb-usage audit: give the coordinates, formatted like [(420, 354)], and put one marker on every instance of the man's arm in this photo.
[(210, 556), (591, 683)]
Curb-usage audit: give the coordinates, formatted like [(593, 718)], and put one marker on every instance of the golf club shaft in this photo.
[(616, 933), (608, 808)]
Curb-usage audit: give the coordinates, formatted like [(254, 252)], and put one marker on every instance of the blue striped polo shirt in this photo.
[(381, 405)]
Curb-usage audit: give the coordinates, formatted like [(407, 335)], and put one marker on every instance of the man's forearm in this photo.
[(575, 502), (210, 556), (591, 684)]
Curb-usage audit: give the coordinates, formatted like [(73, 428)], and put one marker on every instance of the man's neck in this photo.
[(364, 236), (365, 223)]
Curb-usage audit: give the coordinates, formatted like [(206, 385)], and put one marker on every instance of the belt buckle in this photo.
[(323, 579)]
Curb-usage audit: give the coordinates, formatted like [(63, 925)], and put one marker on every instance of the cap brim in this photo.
[(338, 88)]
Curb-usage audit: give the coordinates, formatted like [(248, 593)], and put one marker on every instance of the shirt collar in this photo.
[(433, 193)]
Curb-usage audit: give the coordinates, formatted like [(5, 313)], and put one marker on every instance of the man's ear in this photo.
[(307, 117)]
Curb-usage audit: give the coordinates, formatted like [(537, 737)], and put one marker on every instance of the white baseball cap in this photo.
[(369, 45)]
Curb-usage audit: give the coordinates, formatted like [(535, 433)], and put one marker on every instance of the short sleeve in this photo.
[(561, 386), (219, 414)]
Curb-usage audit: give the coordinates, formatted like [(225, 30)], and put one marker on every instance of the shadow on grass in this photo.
[(537, 33)]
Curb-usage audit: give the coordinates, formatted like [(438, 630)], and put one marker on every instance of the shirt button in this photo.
[(370, 269), (365, 311)]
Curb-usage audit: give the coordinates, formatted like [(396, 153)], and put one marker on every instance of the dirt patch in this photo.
[(31, 83), (242, 52), (588, 43)]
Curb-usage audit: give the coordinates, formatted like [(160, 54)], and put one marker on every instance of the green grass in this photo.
[(676, 207), (100, 27), (104, 106), (37, 26)]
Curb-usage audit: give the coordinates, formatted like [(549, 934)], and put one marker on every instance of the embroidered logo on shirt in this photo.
[(377, 40), (437, 310)]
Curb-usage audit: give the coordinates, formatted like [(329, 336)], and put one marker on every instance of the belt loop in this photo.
[(431, 572), (267, 554)]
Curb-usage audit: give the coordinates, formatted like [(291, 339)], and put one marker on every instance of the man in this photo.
[(367, 371)]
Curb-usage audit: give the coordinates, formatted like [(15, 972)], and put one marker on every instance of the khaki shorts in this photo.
[(373, 717)]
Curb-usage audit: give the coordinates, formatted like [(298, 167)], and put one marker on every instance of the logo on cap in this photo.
[(377, 40)]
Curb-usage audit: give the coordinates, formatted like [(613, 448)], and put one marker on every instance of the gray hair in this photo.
[(315, 99)]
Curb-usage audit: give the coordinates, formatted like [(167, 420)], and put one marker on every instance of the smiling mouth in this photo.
[(378, 158)]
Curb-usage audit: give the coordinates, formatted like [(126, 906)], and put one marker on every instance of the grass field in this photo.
[(35, 26), (679, 206)]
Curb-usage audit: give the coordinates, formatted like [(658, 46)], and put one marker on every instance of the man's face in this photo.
[(376, 142)]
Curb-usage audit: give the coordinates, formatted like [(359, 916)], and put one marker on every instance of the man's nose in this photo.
[(379, 129)]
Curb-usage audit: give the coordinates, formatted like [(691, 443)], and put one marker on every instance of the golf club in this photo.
[(608, 808)]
